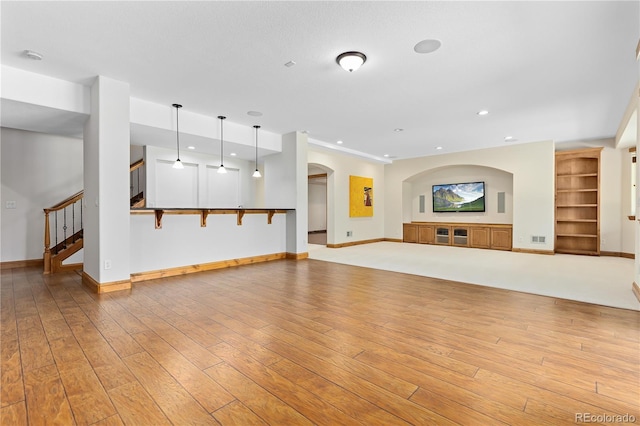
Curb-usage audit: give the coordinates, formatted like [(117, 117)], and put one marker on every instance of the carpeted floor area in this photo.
[(599, 280)]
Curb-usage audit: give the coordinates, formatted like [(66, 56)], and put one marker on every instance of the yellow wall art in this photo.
[(360, 196)]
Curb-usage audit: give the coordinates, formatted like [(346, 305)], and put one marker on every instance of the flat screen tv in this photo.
[(458, 197)]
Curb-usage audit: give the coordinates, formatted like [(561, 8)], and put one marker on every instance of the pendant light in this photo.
[(178, 163), (256, 174), (221, 169)]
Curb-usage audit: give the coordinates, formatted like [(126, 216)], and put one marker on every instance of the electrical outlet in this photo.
[(107, 264), (349, 233), (11, 205)]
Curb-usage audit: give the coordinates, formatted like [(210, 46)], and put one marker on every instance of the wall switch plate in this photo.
[(11, 205), (349, 233)]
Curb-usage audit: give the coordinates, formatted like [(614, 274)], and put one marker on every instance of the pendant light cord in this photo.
[(177, 107), (221, 117), (256, 127)]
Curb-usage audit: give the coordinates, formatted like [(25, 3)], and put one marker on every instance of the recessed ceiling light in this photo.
[(510, 139), (254, 113), (233, 154), (483, 112), (290, 64), (386, 155), (33, 55), (427, 46), (398, 130), (339, 142), (191, 147), (438, 148)]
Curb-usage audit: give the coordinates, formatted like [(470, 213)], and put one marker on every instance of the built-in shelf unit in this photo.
[(578, 201)]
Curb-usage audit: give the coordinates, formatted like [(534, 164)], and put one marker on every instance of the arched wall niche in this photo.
[(496, 181)]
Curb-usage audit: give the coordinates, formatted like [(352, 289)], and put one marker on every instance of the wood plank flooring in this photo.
[(308, 342)]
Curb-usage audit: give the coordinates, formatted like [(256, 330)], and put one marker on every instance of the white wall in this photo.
[(181, 241), (280, 188), (532, 166), (627, 228), (495, 181), (338, 220), (106, 182), (38, 171), (198, 184)]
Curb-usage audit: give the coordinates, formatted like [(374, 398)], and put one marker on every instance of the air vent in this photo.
[(538, 239)]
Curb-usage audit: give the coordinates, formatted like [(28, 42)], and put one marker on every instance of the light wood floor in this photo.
[(308, 342)]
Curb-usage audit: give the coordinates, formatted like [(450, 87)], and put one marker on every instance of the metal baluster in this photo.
[(64, 226), (81, 227), (56, 232), (73, 221)]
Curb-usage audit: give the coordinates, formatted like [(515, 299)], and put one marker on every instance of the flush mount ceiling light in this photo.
[(351, 61), (483, 112), (33, 55), (398, 130), (221, 169), (178, 163), (254, 113), (256, 174), (438, 148), (339, 142), (427, 46)]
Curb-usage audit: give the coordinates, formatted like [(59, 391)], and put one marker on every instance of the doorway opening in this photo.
[(317, 195)]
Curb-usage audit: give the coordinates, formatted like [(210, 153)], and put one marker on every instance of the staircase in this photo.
[(64, 228), (136, 192)]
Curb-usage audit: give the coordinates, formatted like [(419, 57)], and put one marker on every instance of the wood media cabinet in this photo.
[(475, 235)]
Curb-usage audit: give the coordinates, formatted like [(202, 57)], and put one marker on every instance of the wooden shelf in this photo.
[(584, 252), (578, 175), (578, 201)]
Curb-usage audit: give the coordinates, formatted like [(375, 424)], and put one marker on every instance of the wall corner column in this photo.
[(106, 185), (636, 269)]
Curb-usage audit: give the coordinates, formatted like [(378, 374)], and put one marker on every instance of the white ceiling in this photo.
[(545, 70)]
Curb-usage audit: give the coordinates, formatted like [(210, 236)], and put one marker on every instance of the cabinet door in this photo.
[(443, 235), (426, 234), (409, 234), (460, 236), (480, 237), (501, 238)]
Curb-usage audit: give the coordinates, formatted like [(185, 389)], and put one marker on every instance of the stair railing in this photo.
[(136, 187), (67, 227)]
